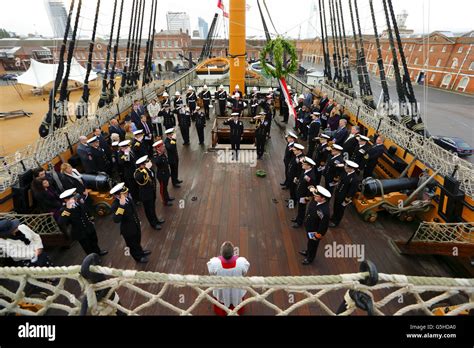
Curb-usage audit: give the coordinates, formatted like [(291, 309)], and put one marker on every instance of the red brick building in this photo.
[(439, 59)]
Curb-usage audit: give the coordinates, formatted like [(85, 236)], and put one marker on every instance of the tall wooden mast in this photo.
[(237, 45)]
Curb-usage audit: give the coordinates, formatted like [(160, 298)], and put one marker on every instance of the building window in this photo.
[(471, 67), (438, 63), (463, 83), (162, 43), (175, 43), (411, 47), (416, 61), (454, 65), (444, 49), (446, 80), (169, 44), (460, 49), (432, 77), (420, 49), (431, 49), (426, 62)]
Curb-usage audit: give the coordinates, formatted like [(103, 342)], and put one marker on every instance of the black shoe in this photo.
[(168, 204), (306, 262), (179, 181), (201, 143), (146, 252), (160, 220), (143, 259), (283, 184), (332, 224), (296, 225), (157, 227), (284, 188), (294, 220), (176, 185), (103, 252), (170, 199), (303, 252)]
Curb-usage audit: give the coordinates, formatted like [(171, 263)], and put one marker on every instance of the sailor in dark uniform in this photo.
[(290, 138), (126, 162), (221, 97), (200, 118), (305, 180), (268, 108), (321, 155), (169, 120), (334, 168), (238, 105), (117, 174), (361, 153), (173, 158), (313, 132), (345, 192), (295, 169), (260, 134), (205, 96), (145, 178), (162, 171), (82, 227), (138, 144), (254, 102), (238, 92), (316, 222), (165, 102), (284, 109), (236, 133), (100, 161), (184, 121), (375, 152), (191, 99), (125, 214)]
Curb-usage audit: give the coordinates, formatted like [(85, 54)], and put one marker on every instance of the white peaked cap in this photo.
[(177, 93), (221, 86), (237, 86), (309, 160), (337, 147), (117, 188), (67, 193), (142, 159), (115, 143), (205, 87), (301, 96), (93, 139), (165, 94), (363, 137), (139, 131), (124, 143), (159, 142), (254, 89), (299, 146), (325, 136), (169, 131), (352, 164), (322, 192)]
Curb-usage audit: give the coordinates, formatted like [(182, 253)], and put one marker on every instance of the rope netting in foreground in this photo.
[(445, 232), (43, 224), (96, 290)]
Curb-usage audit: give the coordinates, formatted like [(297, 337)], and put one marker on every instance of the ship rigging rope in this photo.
[(421, 294), (358, 54), (126, 69), (111, 94), (346, 51), (324, 41), (343, 67), (105, 82)]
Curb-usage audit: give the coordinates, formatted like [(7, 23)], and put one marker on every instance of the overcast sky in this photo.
[(293, 18)]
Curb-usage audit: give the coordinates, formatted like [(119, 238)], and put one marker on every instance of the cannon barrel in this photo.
[(371, 187), (97, 182)]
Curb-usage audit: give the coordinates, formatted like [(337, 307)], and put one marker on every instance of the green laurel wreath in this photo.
[(277, 47)]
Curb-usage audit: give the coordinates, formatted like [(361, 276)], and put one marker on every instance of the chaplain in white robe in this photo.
[(228, 265)]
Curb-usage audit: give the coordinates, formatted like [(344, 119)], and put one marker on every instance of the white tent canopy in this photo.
[(40, 74)]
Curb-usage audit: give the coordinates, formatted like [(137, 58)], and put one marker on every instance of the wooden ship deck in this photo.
[(229, 202)]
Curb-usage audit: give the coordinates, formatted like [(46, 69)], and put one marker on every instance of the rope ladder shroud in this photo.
[(159, 291)]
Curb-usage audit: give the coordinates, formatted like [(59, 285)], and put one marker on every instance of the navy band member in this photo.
[(200, 118), (236, 133), (126, 162), (221, 97), (361, 153), (82, 228), (290, 139), (165, 102), (205, 96), (345, 191), (145, 178), (254, 102), (321, 156), (305, 180), (334, 167), (316, 222), (191, 99), (238, 105), (125, 214), (295, 169), (260, 134), (173, 158), (184, 121), (162, 171)]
